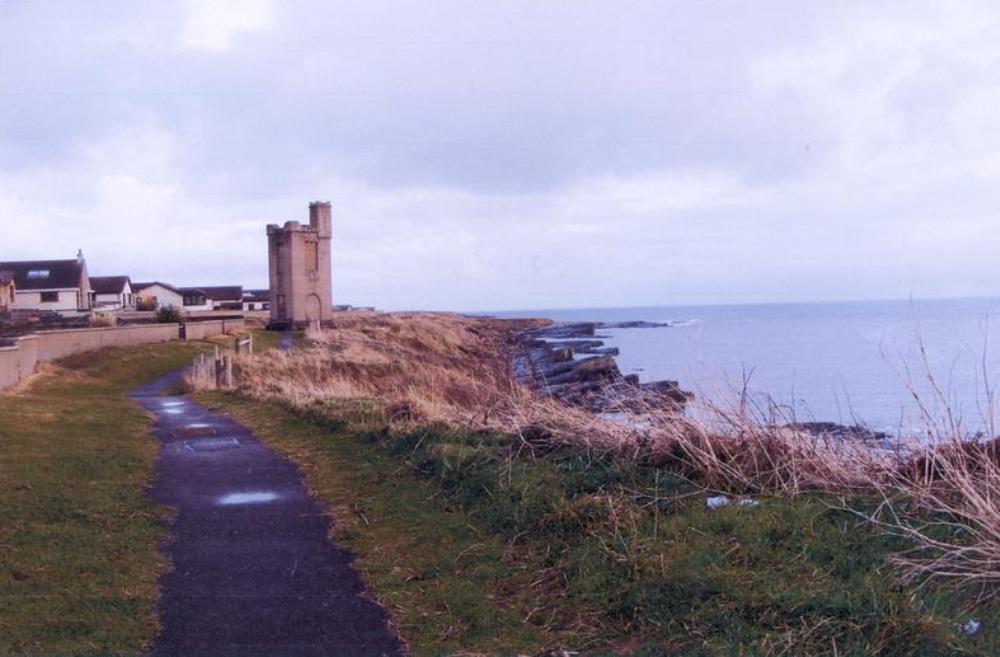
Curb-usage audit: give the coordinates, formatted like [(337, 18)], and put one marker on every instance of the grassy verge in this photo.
[(78, 540), (479, 545), (264, 339)]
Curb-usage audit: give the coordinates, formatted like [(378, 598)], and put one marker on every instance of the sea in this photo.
[(901, 367)]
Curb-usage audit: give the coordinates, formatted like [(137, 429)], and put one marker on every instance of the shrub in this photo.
[(102, 320), (168, 315)]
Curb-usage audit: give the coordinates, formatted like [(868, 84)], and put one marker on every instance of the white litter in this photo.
[(717, 502), (721, 500), (972, 627)]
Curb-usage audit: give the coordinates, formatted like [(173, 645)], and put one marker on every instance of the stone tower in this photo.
[(299, 263)]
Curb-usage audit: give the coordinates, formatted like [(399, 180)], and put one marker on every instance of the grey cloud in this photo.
[(497, 98), (515, 154)]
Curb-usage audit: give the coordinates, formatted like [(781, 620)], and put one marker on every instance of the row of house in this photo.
[(227, 297), (65, 287)]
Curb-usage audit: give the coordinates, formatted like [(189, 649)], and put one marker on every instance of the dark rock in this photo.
[(579, 346), (834, 430), (636, 324), (545, 362), (566, 331)]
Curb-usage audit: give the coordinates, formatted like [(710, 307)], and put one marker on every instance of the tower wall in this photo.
[(300, 269)]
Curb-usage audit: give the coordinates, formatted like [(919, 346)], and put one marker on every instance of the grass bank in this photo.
[(480, 544), (78, 539)]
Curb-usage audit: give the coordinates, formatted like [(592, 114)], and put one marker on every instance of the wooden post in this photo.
[(229, 372)]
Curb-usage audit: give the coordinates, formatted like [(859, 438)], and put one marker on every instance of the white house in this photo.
[(224, 297), (195, 299), (111, 293), (61, 286), (256, 300), (158, 295)]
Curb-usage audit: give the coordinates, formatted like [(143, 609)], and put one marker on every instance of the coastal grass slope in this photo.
[(479, 547), (494, 522), (78, 539)]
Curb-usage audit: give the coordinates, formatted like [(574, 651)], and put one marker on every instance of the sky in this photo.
[(515, 154)]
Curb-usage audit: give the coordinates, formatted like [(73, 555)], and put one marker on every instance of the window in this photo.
[(50, 297), (38, 273)]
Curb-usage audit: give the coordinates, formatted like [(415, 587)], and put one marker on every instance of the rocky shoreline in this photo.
[(570, 362)]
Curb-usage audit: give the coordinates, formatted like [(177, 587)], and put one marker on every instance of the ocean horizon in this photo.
[(847, 362)]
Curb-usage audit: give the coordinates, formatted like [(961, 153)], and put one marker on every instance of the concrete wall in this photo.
[(53, 345), (18, 362), (202, 330)]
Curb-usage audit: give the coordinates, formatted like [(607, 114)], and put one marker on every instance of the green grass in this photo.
[(477, 548), (264, 339), (78, 539)]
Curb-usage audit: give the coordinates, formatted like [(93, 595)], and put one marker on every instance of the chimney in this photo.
[(79, 256), (319, 217)]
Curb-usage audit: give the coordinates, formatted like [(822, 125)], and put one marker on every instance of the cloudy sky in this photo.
[(509, 154)]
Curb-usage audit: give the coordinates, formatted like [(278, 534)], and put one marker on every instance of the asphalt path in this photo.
[(254, 571)]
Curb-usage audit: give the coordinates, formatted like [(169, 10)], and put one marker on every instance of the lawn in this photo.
[(78, 539)]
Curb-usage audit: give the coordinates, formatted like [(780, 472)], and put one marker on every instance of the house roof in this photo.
[(45, 274), (257, 295), (224, 292), (142, 286), (108, 284), (187, 291)]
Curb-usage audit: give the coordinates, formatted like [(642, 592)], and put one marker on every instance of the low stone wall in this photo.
[(53, 345), (202, 330), (18, 361)]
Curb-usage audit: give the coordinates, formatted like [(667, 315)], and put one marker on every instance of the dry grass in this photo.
[(426, 368)]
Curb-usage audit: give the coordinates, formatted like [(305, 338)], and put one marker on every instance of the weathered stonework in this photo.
[(299, 264)]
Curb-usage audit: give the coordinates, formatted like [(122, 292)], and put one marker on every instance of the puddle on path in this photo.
[(194, 432), (211, 444), (253, 497)]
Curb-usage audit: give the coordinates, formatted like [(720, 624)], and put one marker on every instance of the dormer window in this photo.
[(38, 273)]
